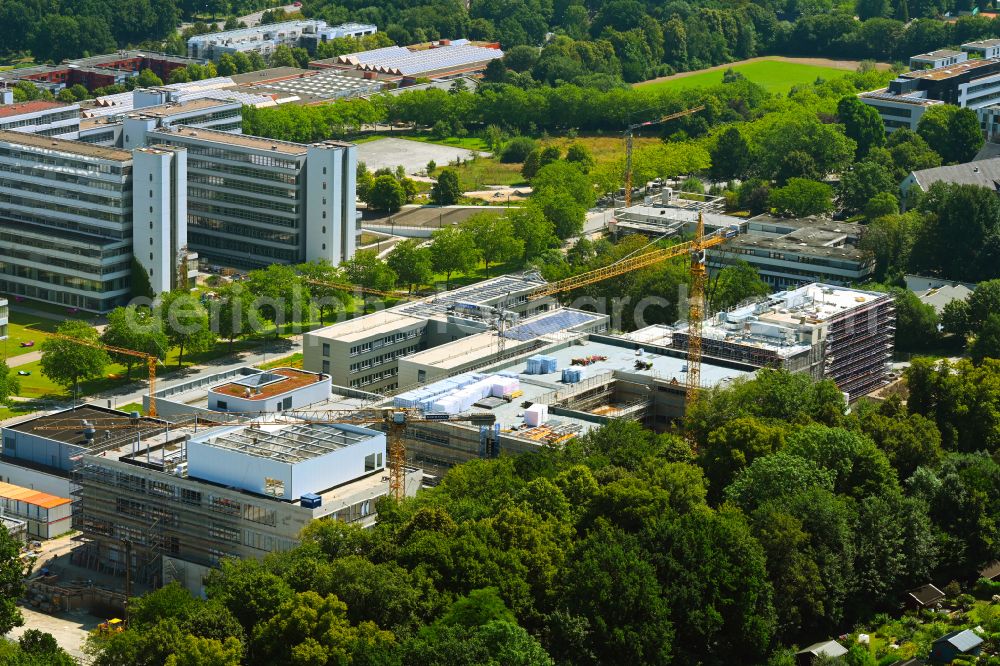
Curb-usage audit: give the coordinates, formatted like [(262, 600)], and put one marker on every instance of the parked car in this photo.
[(28, 343)]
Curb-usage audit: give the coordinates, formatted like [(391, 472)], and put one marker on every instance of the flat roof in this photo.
[(65, 146), (31, 496), (269, 384), (271, 74), (479, 346), (935, 55), (913, 100), (177, 108), (482, 293), (367, 326), (67, 426), (982, 43), (20, 108), (229, 139), (291, 443), (947, 72)]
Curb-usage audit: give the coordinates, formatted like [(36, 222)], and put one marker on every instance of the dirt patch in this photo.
[(846, 65)]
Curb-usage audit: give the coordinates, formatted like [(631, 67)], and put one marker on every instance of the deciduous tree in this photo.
[(67, 362)]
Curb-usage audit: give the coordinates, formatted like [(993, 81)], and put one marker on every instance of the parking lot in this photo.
[(389, 153)]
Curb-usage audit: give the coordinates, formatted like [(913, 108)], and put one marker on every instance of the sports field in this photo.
[(774, 75)]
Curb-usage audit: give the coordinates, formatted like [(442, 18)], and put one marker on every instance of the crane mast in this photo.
[(629, 133), (696, 312)]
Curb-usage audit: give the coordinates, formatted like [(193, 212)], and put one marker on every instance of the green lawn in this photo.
[(467, 142), (26, 327), (477, 174), (774, 75)]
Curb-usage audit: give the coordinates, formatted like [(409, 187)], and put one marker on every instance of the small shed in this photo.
[(924, 596), (991, 571), (951, 646), (828, 649)]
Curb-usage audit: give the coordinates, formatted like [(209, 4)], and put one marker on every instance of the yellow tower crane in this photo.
[(150, 359), (630, 131)]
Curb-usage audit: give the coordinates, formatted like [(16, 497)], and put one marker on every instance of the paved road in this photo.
[(250, 19), (24, 359)]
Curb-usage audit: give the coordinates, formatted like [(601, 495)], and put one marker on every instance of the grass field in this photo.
[(25, 327), (774, 75)]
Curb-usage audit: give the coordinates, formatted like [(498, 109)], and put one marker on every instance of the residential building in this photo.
[(186, 500), (828, 332), (789, 252), (264, 39), (936, 59), (982, 173), (40, 117), (363, 353), (955, 645), (937, 292), (252, 201), (66, 223)]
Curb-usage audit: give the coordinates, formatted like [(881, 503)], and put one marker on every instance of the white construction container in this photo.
[(536, 415)]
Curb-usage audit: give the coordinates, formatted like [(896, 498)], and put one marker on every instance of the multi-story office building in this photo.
[(40, 117), (939, 58), (984, 48), (205, 113), (953, 78), (263, 39), (363, 353), (66, 220), (788, 253), (254, 201)]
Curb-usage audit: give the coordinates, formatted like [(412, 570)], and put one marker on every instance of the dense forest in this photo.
[(628, 40), (776, 518)]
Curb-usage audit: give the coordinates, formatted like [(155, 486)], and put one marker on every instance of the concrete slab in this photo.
[(412, 155), (70, 629)]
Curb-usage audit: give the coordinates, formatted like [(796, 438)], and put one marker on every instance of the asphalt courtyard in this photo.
[(412, 155)]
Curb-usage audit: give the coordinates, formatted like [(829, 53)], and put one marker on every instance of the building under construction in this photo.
[(827, 332), (178, 500)]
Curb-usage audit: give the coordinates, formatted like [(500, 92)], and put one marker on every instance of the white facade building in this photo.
[(264, 39), (939, 58), (254, 201), (40, 117), (275, 390), (159, 224), (984, 48), (71, 214)]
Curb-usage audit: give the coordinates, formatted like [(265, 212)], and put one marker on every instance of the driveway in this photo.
[(388, 153)]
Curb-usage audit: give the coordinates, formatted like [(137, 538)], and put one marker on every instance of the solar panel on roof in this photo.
[(559, 321)]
